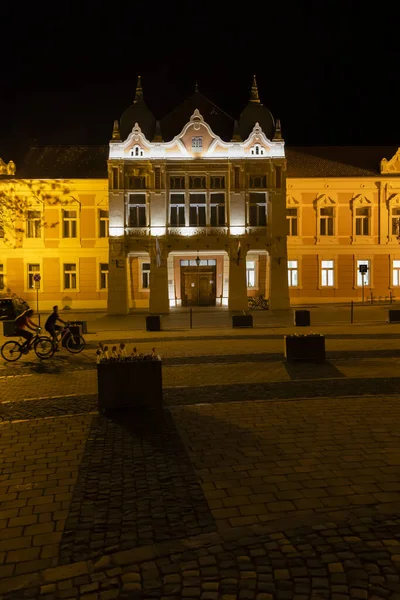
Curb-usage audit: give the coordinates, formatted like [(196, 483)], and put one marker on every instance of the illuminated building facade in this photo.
[(201, 210)]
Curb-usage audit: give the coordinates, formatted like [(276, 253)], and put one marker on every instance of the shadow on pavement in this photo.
[(309, 370)]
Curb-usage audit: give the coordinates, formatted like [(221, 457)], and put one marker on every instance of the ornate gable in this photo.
[(391, 166)]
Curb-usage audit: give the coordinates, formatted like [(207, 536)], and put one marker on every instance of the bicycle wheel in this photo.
[(75, 343), (11, 351), (264, 304), (43, 347), (251, 303)]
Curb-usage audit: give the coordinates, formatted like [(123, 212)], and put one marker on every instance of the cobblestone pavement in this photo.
[(248, 486)]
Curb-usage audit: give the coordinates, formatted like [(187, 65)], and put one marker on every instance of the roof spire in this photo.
[(157, 133), (254, 91), (196, 87), (278, 132), (139, 91), (116, 134)]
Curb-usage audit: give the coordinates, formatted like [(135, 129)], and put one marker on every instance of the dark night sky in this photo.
[(330, 74)]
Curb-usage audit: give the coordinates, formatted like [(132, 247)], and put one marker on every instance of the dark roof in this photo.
[(86, 162), (220, 122), (336, 161), (253, 113), (139, 113), (64, 162)]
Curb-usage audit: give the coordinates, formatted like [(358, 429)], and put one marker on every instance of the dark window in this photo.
[(197, 182), (217, 210), (137, 210), (177, 210), (197, 212), (257, 210)]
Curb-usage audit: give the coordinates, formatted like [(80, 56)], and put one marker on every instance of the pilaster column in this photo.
[(237, 279), (159, 303), (118, 301), (278, 279)]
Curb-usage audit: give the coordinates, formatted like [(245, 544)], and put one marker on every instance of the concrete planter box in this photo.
[(394, 316), (153, 323), (305, 347), (242, 321), (9, 329), (302, 318), (129, 385)]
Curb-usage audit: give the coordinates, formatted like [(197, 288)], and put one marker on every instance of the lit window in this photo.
[(145, 276), (217, 210), (197, 210), (70, 276), (103, 223), (362, 221), (70, 223), (33, 269), (137, 210), (396, 272), (326, 221), (327, 273), (103, 276), (396, 221), (177, 210), (136, 151), (197, 143), (2, 282), (257, 150), (34, 224), (251, 273), (293, 273), (257, 210), (291, 216), (363, 274)]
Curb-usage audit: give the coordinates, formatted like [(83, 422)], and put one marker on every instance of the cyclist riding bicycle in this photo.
[(24, 323), (52, 327)]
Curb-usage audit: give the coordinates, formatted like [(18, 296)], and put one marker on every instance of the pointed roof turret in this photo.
[(139, 113), (196, 87), (139, 90), (157, 133), (116, 134), (236, 137), (254, 97), (256, 112), (278, 132)]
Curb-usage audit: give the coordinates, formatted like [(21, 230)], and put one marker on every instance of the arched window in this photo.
[(257, 150), (136, 151)]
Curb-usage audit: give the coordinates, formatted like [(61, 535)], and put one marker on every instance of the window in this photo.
[(103, 223), (197, 210), (70, 276), (364, 263), (362, 221), (137, 151), (258, 181), (177, 183), (257, 210), (197, 143), (177, 210), (217, 182), (278, 177), (104, 276), (293, 273), (70, 223), (217, 210), (326, 221), (2, 282), (291, 216), (257, 150), (33, 269), (136, 183), (115, 178), (396, 221), (396, 272), (34, 224), (145, 276), (327, 278), (251, 273), (197, 182), (207, 262), (137, 210)]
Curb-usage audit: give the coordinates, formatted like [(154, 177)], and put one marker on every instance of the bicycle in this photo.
[(41, 344), (73, 342), (257, 302)]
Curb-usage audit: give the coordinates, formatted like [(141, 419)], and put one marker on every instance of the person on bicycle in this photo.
[(24, 323), (52, 327)]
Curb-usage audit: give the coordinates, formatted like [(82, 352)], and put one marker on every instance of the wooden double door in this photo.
[(198, 286)]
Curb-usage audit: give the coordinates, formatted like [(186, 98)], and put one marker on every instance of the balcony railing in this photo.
[(197, 231)]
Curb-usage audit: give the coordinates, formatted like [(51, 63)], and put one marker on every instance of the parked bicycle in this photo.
[(257, 302), (41, 344), (73, 342)]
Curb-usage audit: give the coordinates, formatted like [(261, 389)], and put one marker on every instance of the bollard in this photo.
[(352, 312), (190, 318)]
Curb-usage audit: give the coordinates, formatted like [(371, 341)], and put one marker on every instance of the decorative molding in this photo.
[(392, 165), (325, 200), (137, 231), (360, 200), (7, 169)]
